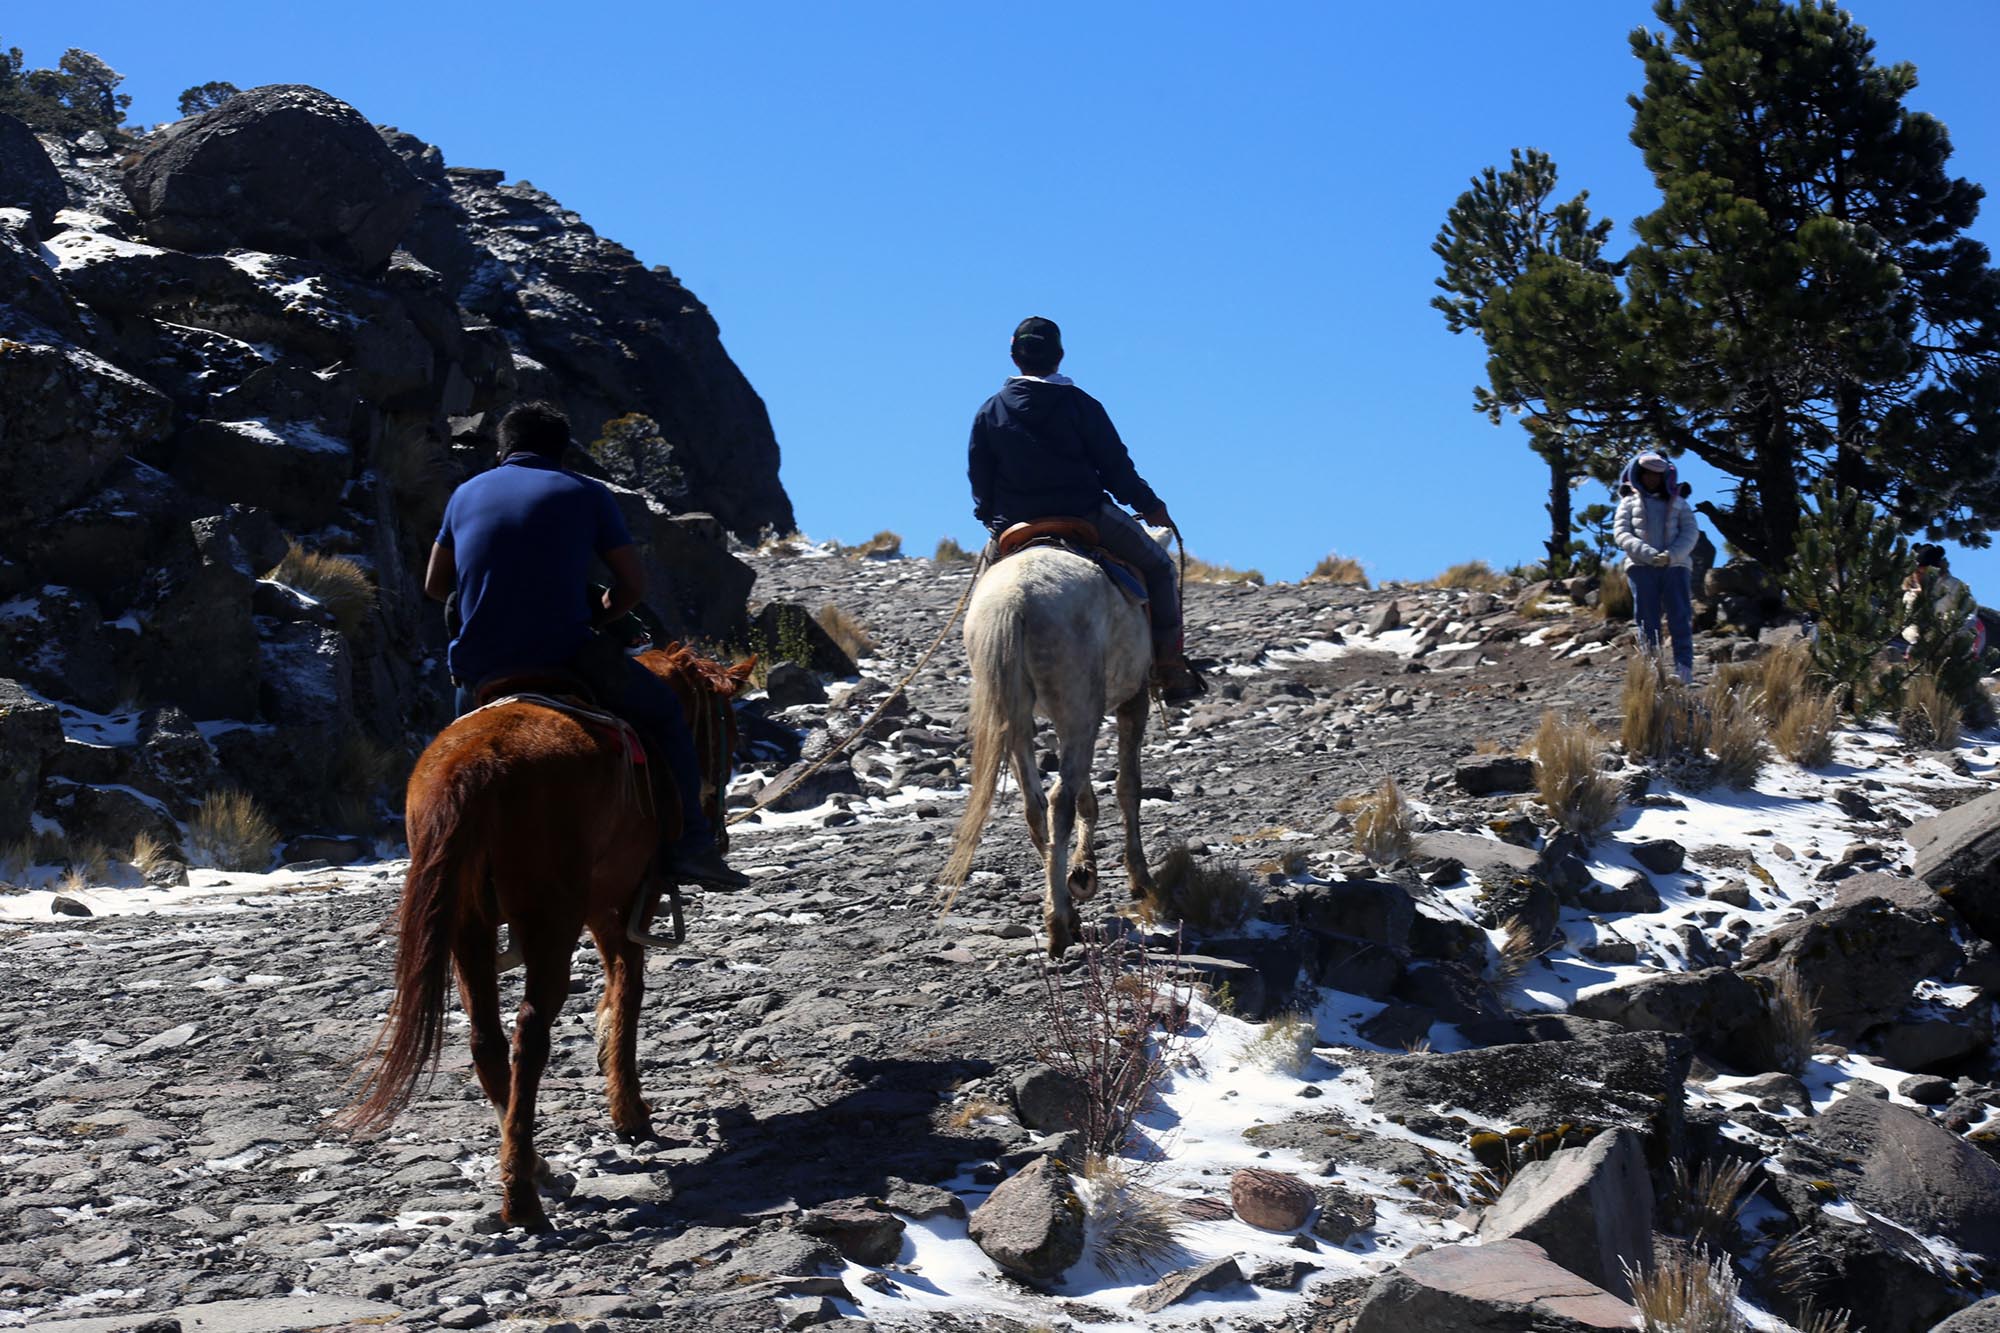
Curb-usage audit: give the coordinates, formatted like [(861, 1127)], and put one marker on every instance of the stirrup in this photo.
[(635, 930)]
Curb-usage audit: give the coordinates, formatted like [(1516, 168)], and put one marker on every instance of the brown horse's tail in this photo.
[(444, 865), (1003, 715)]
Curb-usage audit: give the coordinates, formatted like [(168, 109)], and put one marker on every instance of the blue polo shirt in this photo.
[(522, 538)]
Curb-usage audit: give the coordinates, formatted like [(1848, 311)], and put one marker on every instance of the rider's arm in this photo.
[(628, 582), (980, 465), (1113, 461), (441, 574)]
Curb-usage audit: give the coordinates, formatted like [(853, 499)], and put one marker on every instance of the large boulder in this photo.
[(1863, 955), (1508, 1286), (201, 636), (1590, 1208), (31, 733), (1981, 1318), (114, 276), (27, 178), (1904, 1166), (66, 417), (1722, 1013), (1032, 1223), (787, 631), (1634, 1082), (292, 468), (56, 639), (283, 167), (35, 304), (1957, 853)]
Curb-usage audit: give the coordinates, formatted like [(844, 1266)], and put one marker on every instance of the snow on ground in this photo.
[(207, 892)]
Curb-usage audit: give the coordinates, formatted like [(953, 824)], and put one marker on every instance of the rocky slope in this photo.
[(271, 324), (839, 1075)]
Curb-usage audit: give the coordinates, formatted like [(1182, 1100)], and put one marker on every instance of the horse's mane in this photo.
[(675, 658)]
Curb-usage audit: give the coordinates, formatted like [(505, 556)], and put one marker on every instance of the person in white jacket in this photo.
[(1655, 527)]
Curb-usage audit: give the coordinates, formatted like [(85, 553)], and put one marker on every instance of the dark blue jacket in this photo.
[(1043, 450)]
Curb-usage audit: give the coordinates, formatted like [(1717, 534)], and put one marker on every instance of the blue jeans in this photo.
[(654, 710), (1669, 589), (1126, 538)]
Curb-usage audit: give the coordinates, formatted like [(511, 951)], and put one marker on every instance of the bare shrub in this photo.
[(1702, 1203), (1930, 716), (1285, 1046), (949, 552), (1340, 569), (1803, 733), (1733, 732), (1208, 897), (1614, 594), (1794, 1017), (148, 853), (230, 832), (1204, 571), (1569, 776), (1112, 1025), (1383, 830), (884, 545), (1133, 1227), (334, 581), (1685, 1291), (845, 630), (73, 882), (1471, 575)]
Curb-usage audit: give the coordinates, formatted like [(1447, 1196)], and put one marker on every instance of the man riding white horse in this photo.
[(1043, 448)]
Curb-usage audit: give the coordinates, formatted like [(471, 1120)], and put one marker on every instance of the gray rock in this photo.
[(1722, 1013), (1590, 1208), (292, 468), (1957, 853), (861, 1229), (27, 178), (788, 630), (1491, 775), (1032, 1223), (31, 734), (1508, 1286), (1270, 1200), (1049, 1101), (1343, 1214), (1489, 858), (1385, 618), (1633, 893), (71, 416), (1981, 1318), (64, 905), (1215, 1275), (1662, 856), (1911, 1171), (790, 684), (1925, 1089)]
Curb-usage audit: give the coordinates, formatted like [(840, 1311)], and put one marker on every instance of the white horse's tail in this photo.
[(1003, 716)]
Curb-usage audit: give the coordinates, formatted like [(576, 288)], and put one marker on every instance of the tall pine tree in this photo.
[(1531, 279), (1805, 296)]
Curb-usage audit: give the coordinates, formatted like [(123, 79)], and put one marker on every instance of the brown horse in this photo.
[(521, 814)]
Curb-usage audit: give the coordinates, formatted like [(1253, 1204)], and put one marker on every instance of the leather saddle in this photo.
[(555, 684), (1078, 535)]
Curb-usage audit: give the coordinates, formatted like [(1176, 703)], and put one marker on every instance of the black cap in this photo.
[(1037, 337)]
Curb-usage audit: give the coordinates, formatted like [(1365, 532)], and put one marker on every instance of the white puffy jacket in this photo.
[(1642, 530)]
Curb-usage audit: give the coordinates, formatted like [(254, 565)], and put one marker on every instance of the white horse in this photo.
[(1048, 634)]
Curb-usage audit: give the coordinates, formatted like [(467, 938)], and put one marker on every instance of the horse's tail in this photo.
[(445, 866), (1003, 715)]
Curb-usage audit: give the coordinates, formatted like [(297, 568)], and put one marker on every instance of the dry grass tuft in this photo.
[(148, 853), (1339, 569), (1285, 1046), (1135, 1228), (1733, 732), (1203, 571), (1473, 576), (783, 545), (1579, 794), (1518, 948), (1803, 733), (1702, 1203), (1382, 827), (1794, 1015), (73, 882), (1208, 897), (1812, 1319), (1614, 594), (230, 832), (884, 545), (1654, 708), (949, 552), (975, 1109), (1783, 677), (334, 581), (1930, 717), (1685, 1291), (845, 630)]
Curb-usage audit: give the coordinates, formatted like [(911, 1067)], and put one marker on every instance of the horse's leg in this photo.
[(618, 1027), (1131, 734), (1074, 744), (546, 986), (1083, 867), (479, 992), (1034, 801)]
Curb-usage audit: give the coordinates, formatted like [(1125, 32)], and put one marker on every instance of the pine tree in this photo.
[(79, 95), (206, 96), (1847, 574), (1806, 296), (1531, 279)]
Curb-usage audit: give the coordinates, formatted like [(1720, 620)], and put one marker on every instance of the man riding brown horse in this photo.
[(517, 544), (1043, 448)]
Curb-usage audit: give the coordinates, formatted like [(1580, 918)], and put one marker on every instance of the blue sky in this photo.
[(1228, 209)]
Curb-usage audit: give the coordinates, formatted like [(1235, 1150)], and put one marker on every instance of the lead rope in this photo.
[(1180, 608), (764, 799)]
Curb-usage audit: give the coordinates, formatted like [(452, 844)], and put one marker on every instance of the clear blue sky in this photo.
[(1229, 210)]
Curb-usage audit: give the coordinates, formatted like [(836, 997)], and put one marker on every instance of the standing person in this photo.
[(1043, 448), (1949, 598), (517, 544), (1655, 527)]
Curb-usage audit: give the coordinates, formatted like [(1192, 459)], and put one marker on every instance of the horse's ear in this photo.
[(740, 673)]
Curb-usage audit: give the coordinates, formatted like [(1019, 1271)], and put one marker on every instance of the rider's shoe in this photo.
[(1177, 680), (703, 866)]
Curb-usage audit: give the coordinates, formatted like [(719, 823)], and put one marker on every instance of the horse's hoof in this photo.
[(642, 1134), (528, 1215), (1082, 884)]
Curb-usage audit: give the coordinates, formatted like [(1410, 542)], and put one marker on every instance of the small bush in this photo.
[(884, 545), (1614, 594), (1702, 1203), (1382, 826), (1794, 1018), (1112, 1025), (1210, 898), (1579, 794), (1732, 731), (1804, 733), (1339, 569), (844, 630), (335, 582), (1202, 571), (1473, 576), (949, 552), (1685, 1291), (1930, 716), (1285, 1045), (230, 832), (1135, 1228)]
